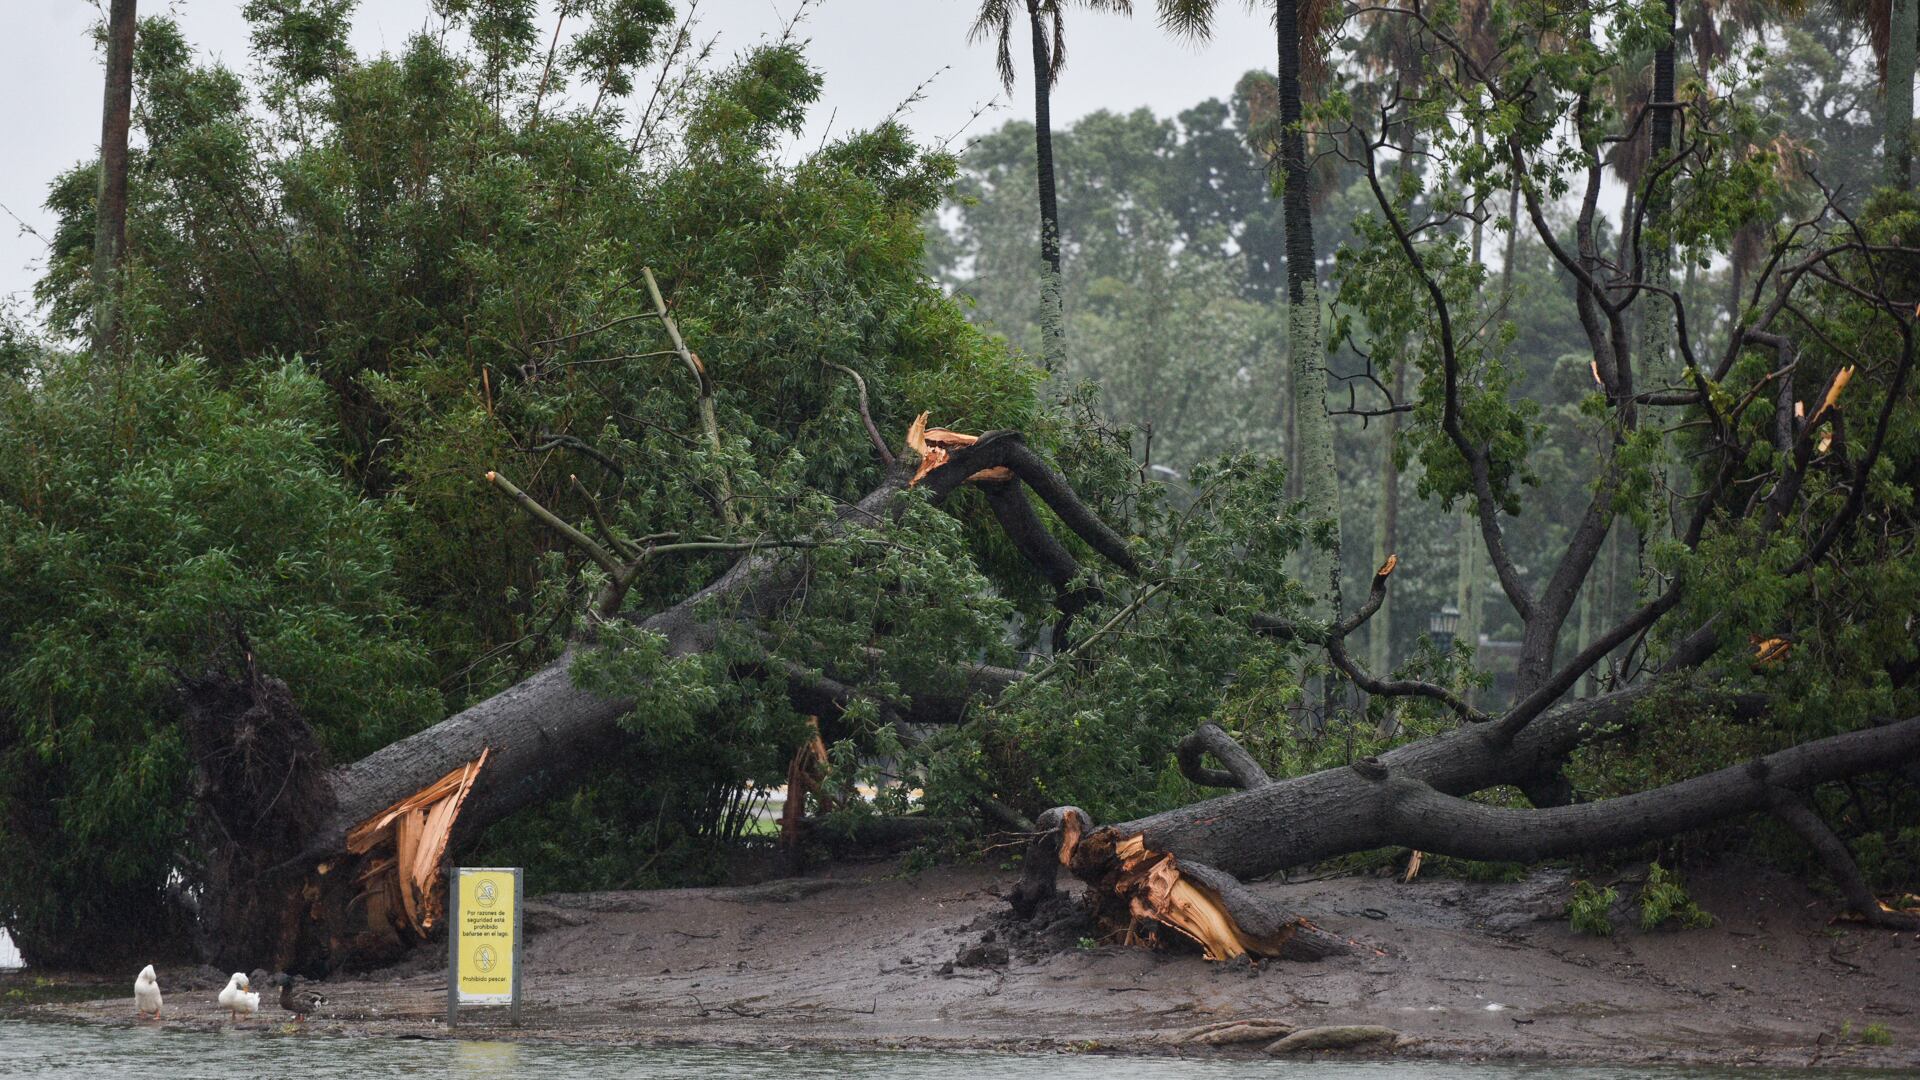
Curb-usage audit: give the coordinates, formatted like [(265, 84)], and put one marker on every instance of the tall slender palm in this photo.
[(1046, 21), (110, 217), (1297, 25), (1297, 30)]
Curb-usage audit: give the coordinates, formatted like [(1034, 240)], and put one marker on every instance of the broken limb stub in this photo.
[(1136, 892)]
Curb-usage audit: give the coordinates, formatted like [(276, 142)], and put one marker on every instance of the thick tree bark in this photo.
[(110, 211), (1239, 770), (1313, 817), (1053, 322)]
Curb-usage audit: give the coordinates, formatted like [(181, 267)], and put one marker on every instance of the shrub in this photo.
[(1591, 909), (1664, 900)]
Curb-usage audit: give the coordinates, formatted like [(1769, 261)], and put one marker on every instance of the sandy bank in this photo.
[(857, 958)]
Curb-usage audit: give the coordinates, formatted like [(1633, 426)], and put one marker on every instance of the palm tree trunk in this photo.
[(1903, 24), (1053, 328), (1308, 353), (1467, 585), (110, 215)]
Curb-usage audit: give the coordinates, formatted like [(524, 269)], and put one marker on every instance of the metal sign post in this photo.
[(484, 929)]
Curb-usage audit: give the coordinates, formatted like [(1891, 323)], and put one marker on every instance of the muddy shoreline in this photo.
[(861, 958)]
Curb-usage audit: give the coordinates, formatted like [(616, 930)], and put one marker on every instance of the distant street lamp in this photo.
[(1441, 625)]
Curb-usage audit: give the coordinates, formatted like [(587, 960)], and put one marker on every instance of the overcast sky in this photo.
[(874, 52)]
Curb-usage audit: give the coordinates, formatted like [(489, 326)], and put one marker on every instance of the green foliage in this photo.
[(1174, 254), (1591, 909), (448, 242), (1663, 900), (453, 253), (145, 512)]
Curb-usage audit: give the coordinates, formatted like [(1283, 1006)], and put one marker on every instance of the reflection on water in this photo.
[(488, 1060), (70, 1052)]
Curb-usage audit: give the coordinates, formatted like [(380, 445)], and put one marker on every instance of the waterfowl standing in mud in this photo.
[(146, 993), (298, 1002), (239, 997)]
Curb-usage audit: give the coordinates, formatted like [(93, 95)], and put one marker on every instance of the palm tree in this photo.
[(1046, 20), (1297, 25), (110, 217)]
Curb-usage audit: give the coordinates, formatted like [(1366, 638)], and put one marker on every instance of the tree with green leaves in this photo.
[(1046, 28), (660, 454), (1297, 27)]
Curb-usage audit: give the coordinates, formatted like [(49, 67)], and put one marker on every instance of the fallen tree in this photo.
[(1777, 486), (1407, 799), (360, 882), (1179, 870)]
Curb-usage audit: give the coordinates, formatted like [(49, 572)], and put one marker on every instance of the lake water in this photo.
[(50, 1051)]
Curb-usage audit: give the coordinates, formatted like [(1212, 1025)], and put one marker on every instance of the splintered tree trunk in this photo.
[(110, 215)]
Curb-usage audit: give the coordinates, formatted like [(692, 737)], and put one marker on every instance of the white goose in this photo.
[(237, 998), (146, 993)]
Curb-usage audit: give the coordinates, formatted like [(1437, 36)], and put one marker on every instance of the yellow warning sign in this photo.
[(485, 931)]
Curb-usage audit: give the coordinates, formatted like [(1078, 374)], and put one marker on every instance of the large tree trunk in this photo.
[(1053, 320), (1410, 798), (110, 212)]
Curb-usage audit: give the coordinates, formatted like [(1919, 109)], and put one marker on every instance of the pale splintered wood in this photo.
[(415, 830)]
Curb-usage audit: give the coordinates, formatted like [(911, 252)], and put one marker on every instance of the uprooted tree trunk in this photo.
[(304, 899)]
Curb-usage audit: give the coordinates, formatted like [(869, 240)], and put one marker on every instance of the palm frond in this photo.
[(995, 20), (1188, 18)]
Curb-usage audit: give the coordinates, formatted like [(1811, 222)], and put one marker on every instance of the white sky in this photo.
[(873, 52)]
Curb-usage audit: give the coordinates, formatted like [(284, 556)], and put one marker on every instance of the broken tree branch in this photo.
[(1793, 810), (1009, 449), (553, 521), (1241, 771), (866, 414), (703, 383), (1411, 813), (1336, 643)]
